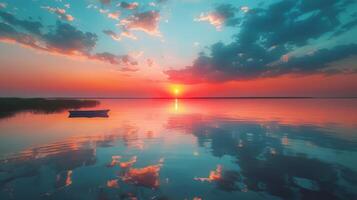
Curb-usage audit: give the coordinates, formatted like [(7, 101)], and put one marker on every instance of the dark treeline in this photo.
[(11, 106)]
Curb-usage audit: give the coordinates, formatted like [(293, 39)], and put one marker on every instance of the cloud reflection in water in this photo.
[(239, 155)]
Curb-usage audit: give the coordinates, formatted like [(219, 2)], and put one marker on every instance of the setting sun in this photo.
[(176, 90)]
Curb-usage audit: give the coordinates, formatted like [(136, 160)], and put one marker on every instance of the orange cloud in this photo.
[(146, 176), (213, 18), (213, 176), (113, 183), (129, 163), (115, 161)]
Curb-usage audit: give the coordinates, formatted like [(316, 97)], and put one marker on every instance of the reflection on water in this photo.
[(184, 149)]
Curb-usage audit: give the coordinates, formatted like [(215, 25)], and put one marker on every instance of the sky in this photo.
[(185, 48)]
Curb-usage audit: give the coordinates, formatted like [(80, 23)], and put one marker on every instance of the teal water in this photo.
[(184, 149)]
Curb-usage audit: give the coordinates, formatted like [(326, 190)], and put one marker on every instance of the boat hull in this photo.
[(88, 113)]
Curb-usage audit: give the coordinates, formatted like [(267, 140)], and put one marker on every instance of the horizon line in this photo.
[(199, 97)]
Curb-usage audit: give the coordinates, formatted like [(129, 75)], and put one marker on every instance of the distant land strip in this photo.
[(232, 97)]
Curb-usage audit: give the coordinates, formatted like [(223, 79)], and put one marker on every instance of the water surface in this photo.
[(184, 149)]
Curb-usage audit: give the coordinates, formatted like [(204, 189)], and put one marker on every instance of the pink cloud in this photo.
[(126, 62), (119, 37), (213, 18), (129, 35), (60, 12), (112, 34), (114, 15), (146, 22), (150, 62)]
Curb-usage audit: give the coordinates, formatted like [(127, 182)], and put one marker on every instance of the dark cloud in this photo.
[(30, 26), (228, 12), (267, 40), (223, 15), (125, 61), (318, 61), (67, 38), (63, 39), (147, 22), (9, 34), (129, 6), (345, 28), (112, 34)]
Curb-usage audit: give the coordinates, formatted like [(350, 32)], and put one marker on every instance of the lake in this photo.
[(184, 149)]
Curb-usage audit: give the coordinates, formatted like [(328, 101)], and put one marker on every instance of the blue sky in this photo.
[(187, 41)]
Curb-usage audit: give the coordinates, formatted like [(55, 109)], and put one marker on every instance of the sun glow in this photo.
[(176, 90)]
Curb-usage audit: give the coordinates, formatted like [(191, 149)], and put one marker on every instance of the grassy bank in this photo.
[(11, 106)]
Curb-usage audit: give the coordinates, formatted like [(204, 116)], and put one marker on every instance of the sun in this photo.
[(176, 90)]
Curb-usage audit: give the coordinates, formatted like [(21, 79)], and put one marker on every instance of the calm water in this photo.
[(184, 149)]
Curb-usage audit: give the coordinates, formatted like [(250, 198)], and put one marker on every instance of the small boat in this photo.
[(88, 113)]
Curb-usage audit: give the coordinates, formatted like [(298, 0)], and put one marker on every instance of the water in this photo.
[(184, 149)]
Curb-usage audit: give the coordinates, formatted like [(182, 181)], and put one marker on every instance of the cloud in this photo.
[(2, 5), (213, 18), (161, 1), (60, 12), (119, 37), (114, 15), (129, 6), (214, 175), (9, 34), (244, 9), (64, 39), (345, 28), (266, 43), (128, 34), (112, 34), (223, 14), (105, 2), (30, 26), (103, 11), (126, 62), (148, 176), (92, 6), (146, 21), (150, 62)]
